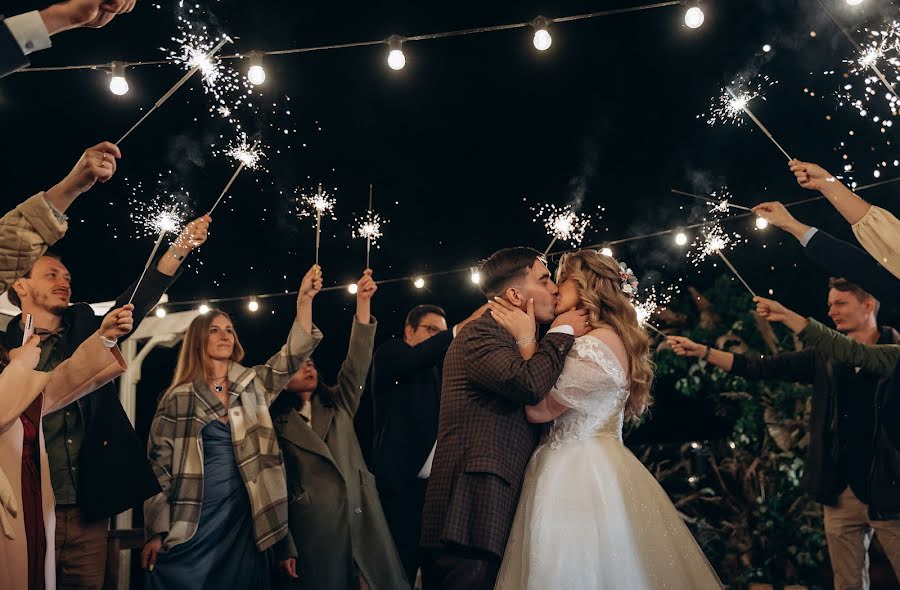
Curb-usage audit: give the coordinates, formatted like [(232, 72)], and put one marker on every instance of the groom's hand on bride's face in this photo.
[(577, 318)]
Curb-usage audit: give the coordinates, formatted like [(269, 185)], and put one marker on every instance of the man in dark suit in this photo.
[(31, 31), (406, 389), (484, 441), (98, 466)]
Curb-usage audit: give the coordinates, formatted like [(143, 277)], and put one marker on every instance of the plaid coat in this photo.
[(25, 234), (175, 446), (484, 441)]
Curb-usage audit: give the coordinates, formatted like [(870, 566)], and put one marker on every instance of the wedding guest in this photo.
[(26, 33), (88, 440), (843, 446), (26, 549), (406, 387), (214, 449), (876, 229), (336, 521)]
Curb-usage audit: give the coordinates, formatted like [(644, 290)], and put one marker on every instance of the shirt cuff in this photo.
[(59, 215), (29, 31), (564, 329), (805, 238)]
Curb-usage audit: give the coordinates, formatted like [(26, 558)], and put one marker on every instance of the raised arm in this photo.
[(352, 377), (813, 177), (20, 383), (301, 341)]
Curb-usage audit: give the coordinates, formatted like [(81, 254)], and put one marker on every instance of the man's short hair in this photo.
[(415, 315), (11, 293), (845, 286), (504, 267)]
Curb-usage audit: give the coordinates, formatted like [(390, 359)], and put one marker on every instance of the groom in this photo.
[(484, 442)]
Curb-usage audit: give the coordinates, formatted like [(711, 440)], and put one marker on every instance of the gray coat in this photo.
[(334, 512)]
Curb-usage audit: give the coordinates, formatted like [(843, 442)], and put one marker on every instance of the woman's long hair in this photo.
[(599, 285), (193, 360)]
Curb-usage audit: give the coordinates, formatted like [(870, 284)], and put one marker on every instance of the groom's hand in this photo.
[(576, 318)]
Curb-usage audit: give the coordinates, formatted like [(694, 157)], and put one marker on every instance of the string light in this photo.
[(693, 17), (419, 283), (257, 73), (396, 60), (353, 288), (160, 312), (854, 2), (118, 85), (681, 238), (542, 39), (762, 223), (204, 308), (253, 305), (606, 251), (474, 276)]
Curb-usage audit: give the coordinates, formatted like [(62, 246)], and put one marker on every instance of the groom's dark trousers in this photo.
[(484, 443)]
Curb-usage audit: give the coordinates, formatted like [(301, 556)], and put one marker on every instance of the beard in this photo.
[(43, 301)]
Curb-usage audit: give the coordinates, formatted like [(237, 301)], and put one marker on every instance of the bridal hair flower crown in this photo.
[(629, 281)]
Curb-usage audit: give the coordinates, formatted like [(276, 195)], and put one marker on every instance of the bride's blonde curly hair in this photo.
[(599, 282)]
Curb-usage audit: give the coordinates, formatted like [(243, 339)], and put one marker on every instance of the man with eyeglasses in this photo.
[(406, 388)]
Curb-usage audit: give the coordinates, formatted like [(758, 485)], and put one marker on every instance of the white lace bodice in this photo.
[(594, 385)]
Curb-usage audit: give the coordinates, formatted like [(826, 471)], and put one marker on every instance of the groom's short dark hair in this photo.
[(505, 266)]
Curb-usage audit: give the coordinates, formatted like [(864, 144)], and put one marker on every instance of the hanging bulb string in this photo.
[(422, 37)]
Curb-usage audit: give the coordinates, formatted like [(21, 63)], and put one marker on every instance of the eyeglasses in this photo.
[(432, 330)]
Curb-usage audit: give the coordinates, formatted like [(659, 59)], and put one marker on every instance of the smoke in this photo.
[(580, 183)]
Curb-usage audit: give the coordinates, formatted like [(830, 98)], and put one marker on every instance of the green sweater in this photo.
[(880, 359)]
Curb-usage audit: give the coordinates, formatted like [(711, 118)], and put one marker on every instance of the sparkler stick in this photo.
[(318, 223), (857, 46), (655, 329), (741, 103), (547, 251), (714, 201), (734, 270), (159, 240), (368, 235), (177, 85), (227, 186)]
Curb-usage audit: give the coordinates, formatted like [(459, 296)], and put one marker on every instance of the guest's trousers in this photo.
[(849, 531), (80, 550)]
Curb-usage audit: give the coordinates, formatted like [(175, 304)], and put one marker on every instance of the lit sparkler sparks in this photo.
[(730, 104), (712, 239), (161, 214), (563, 224), (247, 154), (368, 227), (317, 204)]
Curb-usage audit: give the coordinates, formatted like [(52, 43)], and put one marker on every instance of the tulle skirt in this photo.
[(591, 517)]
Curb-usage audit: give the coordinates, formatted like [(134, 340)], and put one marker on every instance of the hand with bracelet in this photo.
[(521, 324), (192, 236)]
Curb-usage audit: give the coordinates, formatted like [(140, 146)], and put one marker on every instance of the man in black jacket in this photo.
[(98, 466), (406, 388), (851, 466)]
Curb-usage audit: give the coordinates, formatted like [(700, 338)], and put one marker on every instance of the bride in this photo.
[(590, 516)]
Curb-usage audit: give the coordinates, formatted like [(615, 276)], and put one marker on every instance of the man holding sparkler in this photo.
[(29, 32), (839, 470), (92, 439)]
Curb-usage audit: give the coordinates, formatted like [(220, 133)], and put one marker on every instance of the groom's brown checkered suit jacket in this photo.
[(484, 441)]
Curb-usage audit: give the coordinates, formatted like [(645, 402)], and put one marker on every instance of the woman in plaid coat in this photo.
[(215, 453)]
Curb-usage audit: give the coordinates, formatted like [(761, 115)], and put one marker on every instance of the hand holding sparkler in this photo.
[(811, 176), (814, 177), (82, 13), (777, 214), (118, 322), (193, 235), (97, 164), (365, 290), (310, 286), (773, 311)]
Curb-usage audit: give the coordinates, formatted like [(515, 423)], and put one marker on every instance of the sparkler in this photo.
[(649, 304), (247, 155), (719, 206), (197, 63), (739, 103), (714, 241), (163, 220), (318, 204), (563, 224), (369, 227)]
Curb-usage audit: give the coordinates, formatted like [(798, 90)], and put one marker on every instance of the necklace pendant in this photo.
[(218, 388)]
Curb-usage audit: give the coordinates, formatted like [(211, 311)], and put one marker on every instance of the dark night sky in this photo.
[(452, 143)]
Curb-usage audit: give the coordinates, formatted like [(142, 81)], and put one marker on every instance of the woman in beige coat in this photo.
[(26, 547)]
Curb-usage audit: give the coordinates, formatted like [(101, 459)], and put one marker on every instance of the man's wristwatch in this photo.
[(706, 354), (176, 255)]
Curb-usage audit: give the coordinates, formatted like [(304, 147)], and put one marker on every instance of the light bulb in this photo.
[(253, 305), (854, 2), (256, 74), (118, 85), (681, 238), (475, 276), (693, 17), (203, 308), (419, 283), (160, 312), (606, 251), (353, 288), (762, 223), (542, 40), (396, 59)]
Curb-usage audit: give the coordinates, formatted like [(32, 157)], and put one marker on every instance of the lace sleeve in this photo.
[(591, 370)]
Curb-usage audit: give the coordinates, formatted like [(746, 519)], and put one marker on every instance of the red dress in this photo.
[(32, 500)]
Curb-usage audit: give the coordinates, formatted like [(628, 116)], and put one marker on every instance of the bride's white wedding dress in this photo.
[(591, 517)]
